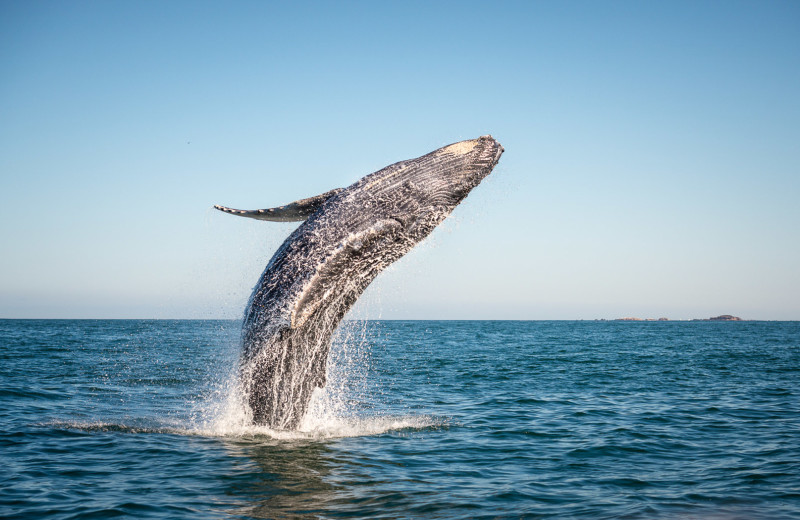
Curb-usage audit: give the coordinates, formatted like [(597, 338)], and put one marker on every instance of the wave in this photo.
[(311, 429)]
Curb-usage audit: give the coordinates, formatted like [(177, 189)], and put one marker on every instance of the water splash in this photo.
[(348, 406), (332, 429)]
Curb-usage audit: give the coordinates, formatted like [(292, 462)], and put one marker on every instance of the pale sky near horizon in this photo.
[(652, 163)]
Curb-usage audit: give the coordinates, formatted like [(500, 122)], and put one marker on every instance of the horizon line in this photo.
[(625, 320)]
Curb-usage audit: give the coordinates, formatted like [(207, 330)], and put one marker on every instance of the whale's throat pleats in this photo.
[(348, 269)]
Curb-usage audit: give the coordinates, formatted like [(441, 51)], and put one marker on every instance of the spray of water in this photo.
[(348, 406), (352, 402)]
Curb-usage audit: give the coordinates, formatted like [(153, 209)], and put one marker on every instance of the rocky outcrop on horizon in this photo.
[(721, 317)]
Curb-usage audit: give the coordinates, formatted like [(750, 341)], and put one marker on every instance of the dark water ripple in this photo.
[(670, 420)]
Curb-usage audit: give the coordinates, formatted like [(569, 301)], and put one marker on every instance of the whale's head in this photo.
[(419, 193), (466, 163), (447, 174)]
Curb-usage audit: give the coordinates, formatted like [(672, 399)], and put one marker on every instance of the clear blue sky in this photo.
[(652, 163)]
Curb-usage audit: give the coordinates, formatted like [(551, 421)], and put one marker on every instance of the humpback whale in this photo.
[(349, 236)]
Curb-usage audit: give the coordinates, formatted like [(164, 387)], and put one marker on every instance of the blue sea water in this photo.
[(421, 419)]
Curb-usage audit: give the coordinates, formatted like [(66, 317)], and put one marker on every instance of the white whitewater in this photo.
[(340, 409)]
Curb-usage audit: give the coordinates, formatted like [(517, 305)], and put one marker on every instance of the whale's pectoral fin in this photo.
[(294, 212)]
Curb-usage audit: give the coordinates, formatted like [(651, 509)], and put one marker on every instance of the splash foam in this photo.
[(345, 407)]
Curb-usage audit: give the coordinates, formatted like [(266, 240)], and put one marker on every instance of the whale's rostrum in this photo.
[(349, 236)]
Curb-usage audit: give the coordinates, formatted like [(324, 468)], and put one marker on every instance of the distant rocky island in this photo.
[(721, 317)]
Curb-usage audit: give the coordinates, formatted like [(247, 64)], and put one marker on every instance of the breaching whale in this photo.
[(349, 236)]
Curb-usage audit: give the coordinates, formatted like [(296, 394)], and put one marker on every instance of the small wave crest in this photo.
[(310, 430), (112, 426), (338, 428)]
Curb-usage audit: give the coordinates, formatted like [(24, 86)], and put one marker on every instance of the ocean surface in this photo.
[(420, 419)]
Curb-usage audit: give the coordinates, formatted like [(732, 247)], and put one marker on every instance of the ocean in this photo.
[(420, 419)]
